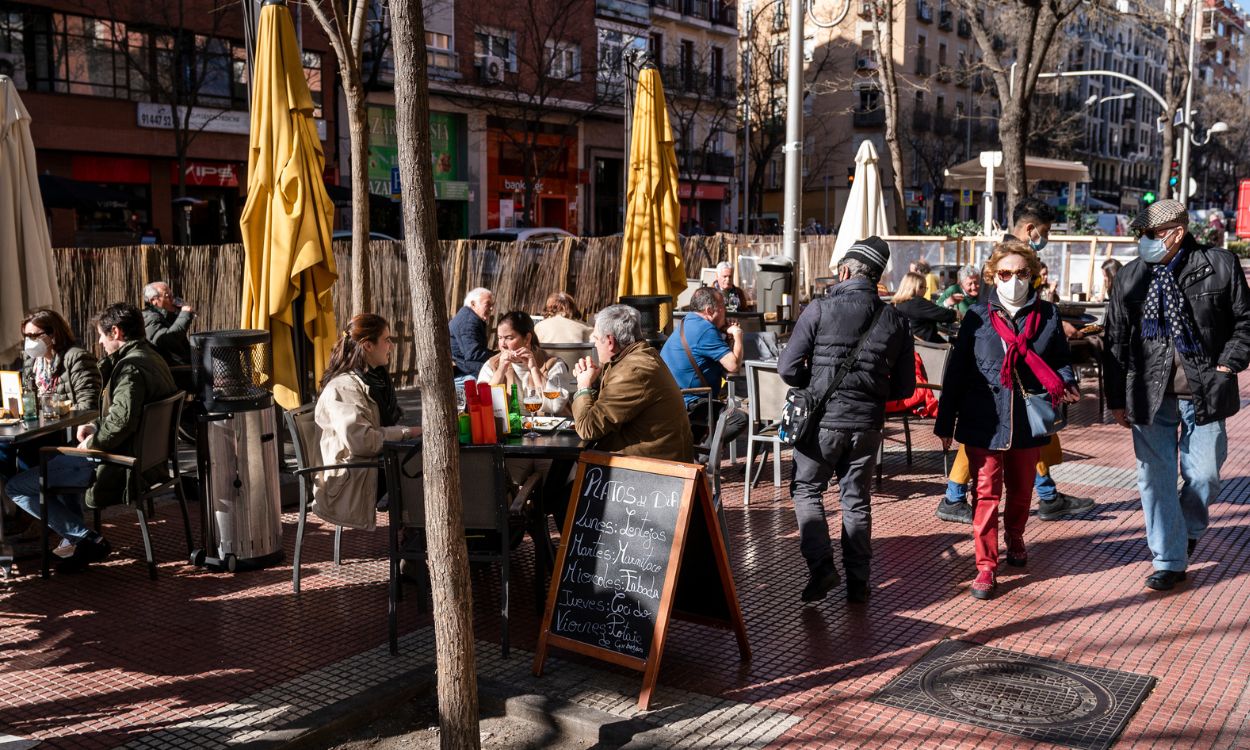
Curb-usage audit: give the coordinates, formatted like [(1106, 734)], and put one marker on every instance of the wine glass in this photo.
[(552, 389), (533, 401)]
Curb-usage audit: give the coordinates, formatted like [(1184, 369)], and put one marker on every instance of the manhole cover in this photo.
[(1042, 699)]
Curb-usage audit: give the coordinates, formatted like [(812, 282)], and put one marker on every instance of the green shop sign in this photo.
[(447, 157)]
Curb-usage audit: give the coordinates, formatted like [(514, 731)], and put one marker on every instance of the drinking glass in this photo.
[(533, 401), (552, 389)]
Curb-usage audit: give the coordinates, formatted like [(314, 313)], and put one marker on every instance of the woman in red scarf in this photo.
[(1010, 343)]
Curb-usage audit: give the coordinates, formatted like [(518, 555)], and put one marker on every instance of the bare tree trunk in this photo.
[(1012, 132), (448, 558), (358, 128), (883, 38)]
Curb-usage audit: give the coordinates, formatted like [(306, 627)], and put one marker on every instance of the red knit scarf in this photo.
[(1018, 348)]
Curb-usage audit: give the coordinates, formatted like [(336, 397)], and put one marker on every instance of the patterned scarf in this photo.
[(1018, 349), (1165, 313)]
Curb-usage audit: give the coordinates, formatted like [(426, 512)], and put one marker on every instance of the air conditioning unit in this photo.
[(13, 64), (863, 63), (493, 69)]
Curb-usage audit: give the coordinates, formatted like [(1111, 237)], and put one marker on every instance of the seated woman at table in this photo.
[(52, 365), (922, 315), (357, 412), (563, 322)]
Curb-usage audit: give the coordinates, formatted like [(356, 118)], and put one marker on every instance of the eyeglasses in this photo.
[(1152, 234), (35, 336), (1022, 274)]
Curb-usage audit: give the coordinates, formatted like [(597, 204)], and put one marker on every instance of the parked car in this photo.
[(527, 234), (346, 234)]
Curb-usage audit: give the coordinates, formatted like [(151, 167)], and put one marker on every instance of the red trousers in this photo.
[(1011, 470)]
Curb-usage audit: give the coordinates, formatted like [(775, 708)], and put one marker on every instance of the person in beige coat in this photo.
[(562, 324), (351, 424)]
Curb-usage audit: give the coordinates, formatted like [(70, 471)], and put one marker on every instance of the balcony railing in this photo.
[(869, 118), (963, 76), (923, 11), (922, 66), (706, 163), (679, 81), (964, 28), (946, 20), (941, 123), (943, 74)]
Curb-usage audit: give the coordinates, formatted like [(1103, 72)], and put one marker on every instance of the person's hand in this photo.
[(188, 309), (506, 357), (1072, 394), (1121, 418), (734, 330), (946, 443), (525, 357), (586, 372), (85, 431), (1070, 331), (1224, 368)]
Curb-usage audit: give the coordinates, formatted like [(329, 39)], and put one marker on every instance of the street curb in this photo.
[(569, 719), (317, 728)]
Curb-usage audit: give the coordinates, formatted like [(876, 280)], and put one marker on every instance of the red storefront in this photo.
[(708, 205), (555, 192)]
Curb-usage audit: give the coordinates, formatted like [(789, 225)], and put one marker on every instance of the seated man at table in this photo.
[(166, 324), (133, 374), (630, 404), (698, 357), (468, 334)]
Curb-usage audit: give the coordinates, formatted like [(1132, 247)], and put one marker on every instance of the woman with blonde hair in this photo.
[(923, 316), (357, 412), (1010, 345)]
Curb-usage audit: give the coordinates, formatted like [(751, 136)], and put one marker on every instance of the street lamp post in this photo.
[(746, 119), (1182, 188)]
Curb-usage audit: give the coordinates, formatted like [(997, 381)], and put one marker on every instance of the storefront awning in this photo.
[(970, 175)]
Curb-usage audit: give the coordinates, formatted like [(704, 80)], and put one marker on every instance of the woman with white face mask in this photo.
[(1010, 344)]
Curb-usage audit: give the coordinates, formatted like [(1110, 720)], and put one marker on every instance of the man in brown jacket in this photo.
[(631, 404)]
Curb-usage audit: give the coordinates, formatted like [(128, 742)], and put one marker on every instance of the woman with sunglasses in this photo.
[(357, 411), (52, 365), (1010, 344)]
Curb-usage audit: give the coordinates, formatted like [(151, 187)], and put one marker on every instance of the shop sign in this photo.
[(702, 192), (445, 147), (207, 174), (451, 190), (160, 117)]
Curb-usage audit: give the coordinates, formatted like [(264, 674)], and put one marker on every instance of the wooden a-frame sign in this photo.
[(642, 543)]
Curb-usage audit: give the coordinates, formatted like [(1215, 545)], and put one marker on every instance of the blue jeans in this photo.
[(64, 511), (1042, 483), (1174, 517)]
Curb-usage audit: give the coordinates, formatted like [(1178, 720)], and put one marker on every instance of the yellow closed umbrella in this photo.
[(286, 222), (651, 254), (27, 271)]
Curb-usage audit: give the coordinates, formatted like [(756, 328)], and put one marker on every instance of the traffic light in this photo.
[(1148, 198), (1176, 174), (850, 176)]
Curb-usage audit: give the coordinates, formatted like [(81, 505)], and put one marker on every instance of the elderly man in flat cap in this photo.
[(850, 326), (1177, 334)]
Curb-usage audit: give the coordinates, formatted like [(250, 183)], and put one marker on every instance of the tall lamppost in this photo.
[(793, 146)]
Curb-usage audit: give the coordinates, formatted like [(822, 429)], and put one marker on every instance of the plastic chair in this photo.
[(155, 448), (485, 511), (933, 357), (766, 395), (570, 353), (306, 436)]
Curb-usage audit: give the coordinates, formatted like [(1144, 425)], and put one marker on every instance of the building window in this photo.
[(610, 77), (495, 43), (88, 57), (778, 61), (312, 73), (656, 47), (687, 64), (564, 61), (869, 99)]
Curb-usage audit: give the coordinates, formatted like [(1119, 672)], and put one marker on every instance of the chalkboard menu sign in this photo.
[(617, 573)]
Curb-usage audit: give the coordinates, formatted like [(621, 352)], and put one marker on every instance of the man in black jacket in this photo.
[(850, 426), (468, 334), (166, 323), (1177, 334)]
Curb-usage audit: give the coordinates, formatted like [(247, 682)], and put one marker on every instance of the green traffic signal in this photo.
[(1148, 198)]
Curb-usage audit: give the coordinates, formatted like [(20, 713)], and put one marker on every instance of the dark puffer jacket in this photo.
[(1137, 371), (975, 408), (826, 333)]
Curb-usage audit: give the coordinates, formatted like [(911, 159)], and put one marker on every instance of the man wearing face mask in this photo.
[(1177, 332), (1031, 222)]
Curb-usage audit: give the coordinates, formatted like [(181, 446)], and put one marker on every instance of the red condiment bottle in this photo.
[(486, 405)]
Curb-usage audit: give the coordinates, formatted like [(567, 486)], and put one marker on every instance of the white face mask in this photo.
[(35, 348), (1013, 292)]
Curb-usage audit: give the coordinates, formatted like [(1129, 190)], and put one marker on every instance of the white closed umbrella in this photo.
[(865, 209), (27, 272)]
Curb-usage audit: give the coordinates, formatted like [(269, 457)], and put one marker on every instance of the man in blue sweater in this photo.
[(468, 334)]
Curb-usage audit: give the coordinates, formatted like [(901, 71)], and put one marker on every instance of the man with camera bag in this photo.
[(854, 352)]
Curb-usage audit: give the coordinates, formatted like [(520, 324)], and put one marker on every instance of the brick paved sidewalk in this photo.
[(196, 658)]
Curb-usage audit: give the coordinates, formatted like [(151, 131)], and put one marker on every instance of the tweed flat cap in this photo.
[(1166, 211)]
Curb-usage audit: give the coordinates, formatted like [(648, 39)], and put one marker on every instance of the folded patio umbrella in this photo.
[(651, 253), (289, 266), (27, 271), (865, 208)]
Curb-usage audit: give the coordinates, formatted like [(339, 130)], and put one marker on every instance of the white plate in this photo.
[(549, 423)]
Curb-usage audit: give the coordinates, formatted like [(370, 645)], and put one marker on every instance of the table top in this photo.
[(558, 444), (23, 431)]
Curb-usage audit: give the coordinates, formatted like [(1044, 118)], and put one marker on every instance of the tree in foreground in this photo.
[(448, 556)]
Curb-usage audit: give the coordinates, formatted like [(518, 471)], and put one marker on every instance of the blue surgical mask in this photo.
[(1038, 244), (1151, 250)]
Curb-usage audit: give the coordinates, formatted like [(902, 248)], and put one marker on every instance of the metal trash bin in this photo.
[(648, 307), (237, 451), (774, 277)]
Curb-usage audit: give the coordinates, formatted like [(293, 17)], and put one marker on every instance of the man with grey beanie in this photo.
[(825, 337), (1177, 334)]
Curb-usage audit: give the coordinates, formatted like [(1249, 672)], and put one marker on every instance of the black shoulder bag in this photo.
[(804, 406)]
